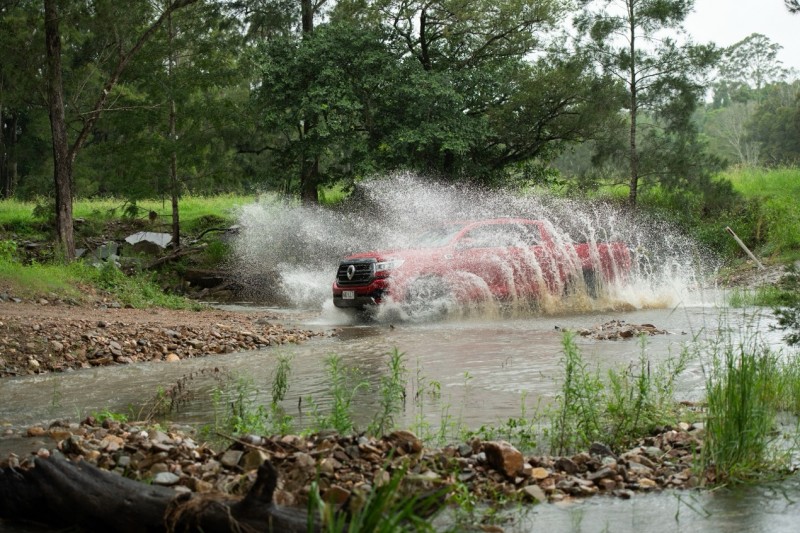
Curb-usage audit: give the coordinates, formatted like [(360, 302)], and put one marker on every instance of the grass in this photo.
[(617, 411), (37, 280), (745, 388), (31, 219)]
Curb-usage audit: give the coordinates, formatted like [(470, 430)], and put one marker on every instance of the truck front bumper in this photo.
[(361, 296)]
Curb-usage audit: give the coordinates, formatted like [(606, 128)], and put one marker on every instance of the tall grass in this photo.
[(618, 410), (741, 381)]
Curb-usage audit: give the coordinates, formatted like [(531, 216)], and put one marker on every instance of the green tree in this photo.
[(747, 67), (631, 40), (775, 125), (446, 88), (792, 5), (124, 43)]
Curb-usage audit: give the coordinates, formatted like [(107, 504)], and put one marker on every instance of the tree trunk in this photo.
[(62, 163), (173, 137), (634, 154), (65, 494), (309, 165)]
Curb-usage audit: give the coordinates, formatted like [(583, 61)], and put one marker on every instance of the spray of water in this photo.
[(288, 253)]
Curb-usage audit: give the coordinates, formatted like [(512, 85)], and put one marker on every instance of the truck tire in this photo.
[(428, 298), (592, 283)]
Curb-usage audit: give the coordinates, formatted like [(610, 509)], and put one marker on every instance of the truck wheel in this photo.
[(592, 283), (428, 298)]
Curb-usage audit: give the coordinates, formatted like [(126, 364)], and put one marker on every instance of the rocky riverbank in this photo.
[(51, 336), (346, 468)]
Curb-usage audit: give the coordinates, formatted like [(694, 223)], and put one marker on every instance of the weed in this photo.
[(105, 414), (8, 251), (385, 509), (339, 417), (523, 431), (631, 404), (280, 421), (170, 399), (788, 314), (577, 418), (743, 396), (392, 394)]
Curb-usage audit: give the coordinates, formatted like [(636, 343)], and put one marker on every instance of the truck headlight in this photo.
[(385, 266)]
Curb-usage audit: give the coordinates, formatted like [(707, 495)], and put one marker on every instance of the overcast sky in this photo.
[(726, 22)]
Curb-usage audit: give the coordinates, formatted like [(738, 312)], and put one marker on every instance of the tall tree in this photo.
[(64, 154), (775, 125), (747, 67), (792, 5), (632, 40)]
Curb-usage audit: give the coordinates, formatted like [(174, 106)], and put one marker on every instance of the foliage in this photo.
[(629, 405), (523, 431), (577, 417), (8, 251), (342, 394), (105, 414), (742, 401), (392, 390), (746, 67), (386, 508), (137, 290), (788, 314), (775, 125), (773, 225), (663, 81), (236, 410)]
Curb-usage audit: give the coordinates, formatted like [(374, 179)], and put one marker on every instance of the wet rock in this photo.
[(601, 450), (166, 479), (539, 473), (503, 457), (252, 459), (336, 495), (231, 458), (534, 493), (36, 431), (565, 464)]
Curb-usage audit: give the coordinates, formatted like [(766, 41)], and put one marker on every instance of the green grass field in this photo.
[(778, 218)]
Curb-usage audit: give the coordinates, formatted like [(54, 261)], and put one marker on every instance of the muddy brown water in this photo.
[(485, 368)]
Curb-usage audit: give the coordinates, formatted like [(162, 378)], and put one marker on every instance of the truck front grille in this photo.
[(361, 272)]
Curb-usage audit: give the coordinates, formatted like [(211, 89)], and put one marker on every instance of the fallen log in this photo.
[(60, 493)]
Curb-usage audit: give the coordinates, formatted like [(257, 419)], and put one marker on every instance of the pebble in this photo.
[(346, 466)]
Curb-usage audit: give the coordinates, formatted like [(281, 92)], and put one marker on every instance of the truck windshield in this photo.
[(437, 237)]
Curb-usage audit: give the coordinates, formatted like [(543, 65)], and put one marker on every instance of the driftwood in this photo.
[(60, 493)]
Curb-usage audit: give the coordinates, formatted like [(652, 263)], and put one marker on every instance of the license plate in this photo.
[(348, 295)]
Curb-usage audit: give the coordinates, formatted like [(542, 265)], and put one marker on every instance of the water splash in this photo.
[(287, 253)]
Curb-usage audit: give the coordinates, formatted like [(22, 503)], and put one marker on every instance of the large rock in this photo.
[(503, 457)]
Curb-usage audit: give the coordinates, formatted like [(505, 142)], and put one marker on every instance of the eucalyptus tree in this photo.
[(126, 29), (746, 67), (635, 41)]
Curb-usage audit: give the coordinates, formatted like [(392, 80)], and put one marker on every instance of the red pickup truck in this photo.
[(461, 262)]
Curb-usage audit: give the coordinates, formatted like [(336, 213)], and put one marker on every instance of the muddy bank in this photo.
[(52, 336)]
